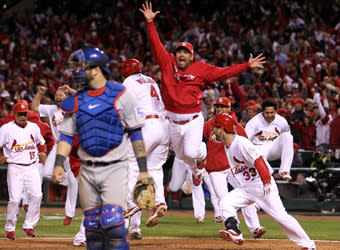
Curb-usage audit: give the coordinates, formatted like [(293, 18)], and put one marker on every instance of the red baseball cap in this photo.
[(223, 101), (20, 106), (186, 45)]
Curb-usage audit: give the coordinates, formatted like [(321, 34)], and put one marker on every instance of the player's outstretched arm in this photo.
[(256, 62), (147, 11), (36, 100)]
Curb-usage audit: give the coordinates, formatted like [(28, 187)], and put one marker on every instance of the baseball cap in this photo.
[(20, 106), (223, 101), (186, 45)]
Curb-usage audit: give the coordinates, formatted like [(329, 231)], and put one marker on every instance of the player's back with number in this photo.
[(147, 92)]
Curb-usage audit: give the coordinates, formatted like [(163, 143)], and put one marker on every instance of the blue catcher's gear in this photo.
[(93, 230), (112, 222), (83, 59)]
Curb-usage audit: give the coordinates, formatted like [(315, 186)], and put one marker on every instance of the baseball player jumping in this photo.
[(182, 82), (156, 138), (23, 146), (257, 185), (270, 133)]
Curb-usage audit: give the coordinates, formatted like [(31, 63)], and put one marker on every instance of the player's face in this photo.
[(59, 96), (183, 58), (269, 114), (220, 109), (21, 118), (218, 131)]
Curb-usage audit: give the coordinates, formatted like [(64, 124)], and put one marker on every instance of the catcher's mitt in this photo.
[(143, 193)]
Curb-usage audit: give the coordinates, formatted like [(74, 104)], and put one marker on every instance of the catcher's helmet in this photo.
[(131, 66), (225, 121), (82, 59)]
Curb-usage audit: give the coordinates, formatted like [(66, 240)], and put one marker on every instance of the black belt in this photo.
[(99, 163)]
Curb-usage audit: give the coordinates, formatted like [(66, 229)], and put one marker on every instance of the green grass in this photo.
[(175, 226)]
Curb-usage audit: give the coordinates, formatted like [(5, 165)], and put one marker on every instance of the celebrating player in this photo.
[(218, 167), (23, 147), (270, 133), (55, 116), (251, 170), (101, 112), (156, 138), (183, 80)]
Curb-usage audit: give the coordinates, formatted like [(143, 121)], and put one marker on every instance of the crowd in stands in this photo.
[(300, 39)]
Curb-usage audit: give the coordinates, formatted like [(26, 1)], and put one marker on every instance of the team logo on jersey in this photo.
[(269, 137), (24, 146), (239, 167), (56, 122)]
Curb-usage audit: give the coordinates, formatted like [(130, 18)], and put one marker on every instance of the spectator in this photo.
[(297, 159), (334, 135), (307, 132)]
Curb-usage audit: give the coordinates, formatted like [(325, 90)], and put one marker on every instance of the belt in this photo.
[(183, 122), (99, 163), (22, 164), (151, 116)]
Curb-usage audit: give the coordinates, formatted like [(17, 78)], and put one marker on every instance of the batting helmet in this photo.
[(131, 66), (83, 59), (225, 121)]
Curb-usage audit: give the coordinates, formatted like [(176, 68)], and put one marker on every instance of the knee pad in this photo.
[(111, 216), (93, 231), (112, 222)]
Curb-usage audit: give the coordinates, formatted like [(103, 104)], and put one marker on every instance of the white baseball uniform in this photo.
[(20, 147), (55, 116), (273, 139), (156, 138), (180, 172), (242, 155)]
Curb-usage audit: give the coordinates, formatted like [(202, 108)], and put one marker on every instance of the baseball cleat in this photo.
[(196, 180), (200, 220), (157, 214), (308, 248), (29, 232), (286, 176), (80, 243), (259, 232), (135, 236), (10, 235), (67, 220), (218, 219), (132, 211), (232, 236)]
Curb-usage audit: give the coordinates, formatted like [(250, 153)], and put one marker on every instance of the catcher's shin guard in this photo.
[(93, 230), (112, 222)]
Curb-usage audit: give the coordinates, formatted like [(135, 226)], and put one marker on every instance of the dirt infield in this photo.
[(167, 243), (172, 243)]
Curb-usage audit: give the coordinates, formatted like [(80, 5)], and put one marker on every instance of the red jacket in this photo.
[(216, 157), (182, 89)]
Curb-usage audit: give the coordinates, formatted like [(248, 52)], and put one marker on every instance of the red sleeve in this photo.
[(42, 148), (75, 161), (213, 73), (159, 52), (206, 129), (263, 170), (240, 130)]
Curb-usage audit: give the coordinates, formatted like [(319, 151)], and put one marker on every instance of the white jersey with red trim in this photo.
[(147, 93), (259, 131), (55, 116), (20, 144), (241, 156)]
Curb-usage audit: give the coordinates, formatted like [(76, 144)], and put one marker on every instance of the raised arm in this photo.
[(36, 100)]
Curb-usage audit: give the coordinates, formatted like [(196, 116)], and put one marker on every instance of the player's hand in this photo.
[(42, 157), (67, 89), (143, 175), (3, 159), (58, 175), (266, 189), (42, 90), (147, 11), (285, 176), (256, 62)]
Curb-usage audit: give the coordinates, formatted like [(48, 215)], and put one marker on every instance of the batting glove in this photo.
[(266, 189)]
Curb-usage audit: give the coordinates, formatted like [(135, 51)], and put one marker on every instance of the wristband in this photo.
[(142, 164), (59, 160)]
